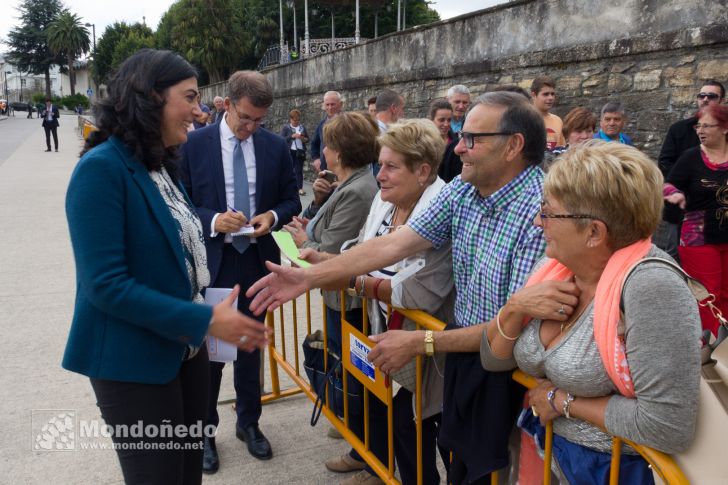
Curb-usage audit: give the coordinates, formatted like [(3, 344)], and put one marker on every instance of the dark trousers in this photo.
[(243, 269), (48, 131), (181, 401), (405, 442), (297, 168)]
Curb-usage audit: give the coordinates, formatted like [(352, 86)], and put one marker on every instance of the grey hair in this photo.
[(458, 89), (612, 107), (333, 93), (519, 117), (216, 98)]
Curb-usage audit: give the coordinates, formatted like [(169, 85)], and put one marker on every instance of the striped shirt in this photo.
[(494, 241)]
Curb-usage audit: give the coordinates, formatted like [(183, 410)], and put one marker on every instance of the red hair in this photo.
[(719, 112)]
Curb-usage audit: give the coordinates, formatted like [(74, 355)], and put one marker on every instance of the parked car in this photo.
[(21, 106)]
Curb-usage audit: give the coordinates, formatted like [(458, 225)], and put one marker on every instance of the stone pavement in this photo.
[(36, 304)]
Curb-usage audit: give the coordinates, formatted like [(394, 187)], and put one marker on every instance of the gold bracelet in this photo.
[(500, 330)]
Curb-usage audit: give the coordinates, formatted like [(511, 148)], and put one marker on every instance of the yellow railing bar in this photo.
[(418, 416), (295, 336), (616, 459)]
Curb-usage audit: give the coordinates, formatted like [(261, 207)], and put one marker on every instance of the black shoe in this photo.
[(48, 150), (210, 461), (258, 445), (56, 149)]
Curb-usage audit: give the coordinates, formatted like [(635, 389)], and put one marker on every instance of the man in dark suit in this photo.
[(50, 123), (239, 175)]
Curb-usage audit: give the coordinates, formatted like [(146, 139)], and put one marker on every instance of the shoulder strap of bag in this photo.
[(699, 291), (318, 405)]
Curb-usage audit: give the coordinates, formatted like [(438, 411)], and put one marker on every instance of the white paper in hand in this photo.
[(244, 231), (219, 350)]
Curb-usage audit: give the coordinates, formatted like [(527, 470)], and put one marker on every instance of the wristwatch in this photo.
[(429, 343)]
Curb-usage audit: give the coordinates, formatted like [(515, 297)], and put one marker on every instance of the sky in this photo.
[(106, 12)]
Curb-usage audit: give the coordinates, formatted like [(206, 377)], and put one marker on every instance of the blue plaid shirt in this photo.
[(494, 241)]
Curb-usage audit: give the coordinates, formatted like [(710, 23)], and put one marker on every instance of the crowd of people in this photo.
[(531, 237)]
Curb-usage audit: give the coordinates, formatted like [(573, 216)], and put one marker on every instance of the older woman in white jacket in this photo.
[(408, 160)]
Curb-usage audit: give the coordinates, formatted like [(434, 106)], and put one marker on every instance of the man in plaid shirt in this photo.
[(488, 214)]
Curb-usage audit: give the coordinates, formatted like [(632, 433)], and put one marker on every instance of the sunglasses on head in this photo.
[(710, 96)]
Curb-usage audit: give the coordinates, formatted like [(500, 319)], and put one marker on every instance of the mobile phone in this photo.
[(330, 176)]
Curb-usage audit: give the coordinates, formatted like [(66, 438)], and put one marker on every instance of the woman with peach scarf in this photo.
[(613, 341)]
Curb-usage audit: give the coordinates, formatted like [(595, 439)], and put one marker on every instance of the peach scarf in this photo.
[(606, 308)]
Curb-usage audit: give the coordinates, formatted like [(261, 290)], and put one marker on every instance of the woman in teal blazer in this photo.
[(139, 322)]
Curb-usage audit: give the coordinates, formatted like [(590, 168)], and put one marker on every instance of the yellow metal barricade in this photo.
[(88, 128), (376, 384)]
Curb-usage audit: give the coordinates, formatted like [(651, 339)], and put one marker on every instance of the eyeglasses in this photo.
[(470, 137), (247, 121), (700, 126), (545, 215), (710, 96)]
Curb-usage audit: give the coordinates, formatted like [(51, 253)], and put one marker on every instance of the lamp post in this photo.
[(93, 52), (292, 5)]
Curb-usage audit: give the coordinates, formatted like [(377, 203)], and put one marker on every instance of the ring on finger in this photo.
[(243, 339), (561, 310)]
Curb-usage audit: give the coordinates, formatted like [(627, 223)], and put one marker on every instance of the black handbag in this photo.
[(313, 364)]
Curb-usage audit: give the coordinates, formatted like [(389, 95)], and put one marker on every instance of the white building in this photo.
[(20, 86)]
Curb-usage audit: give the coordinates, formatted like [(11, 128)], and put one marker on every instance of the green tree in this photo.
[(107, 58), (210, 34), (129, 44), (67, 35), (28, 42)]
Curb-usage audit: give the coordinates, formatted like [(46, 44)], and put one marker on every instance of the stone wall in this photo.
[(650, 54)]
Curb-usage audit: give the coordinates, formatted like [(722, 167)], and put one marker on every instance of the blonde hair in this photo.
[(615, 183), (418, 141)]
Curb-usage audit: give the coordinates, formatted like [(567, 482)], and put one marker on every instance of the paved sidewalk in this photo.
[(36, 303)]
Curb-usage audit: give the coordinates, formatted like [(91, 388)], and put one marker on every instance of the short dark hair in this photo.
[(717, 84), (372, 100), (436, 105), (354, 136), (519, 117), (512, 88), (612, 107), (541, 82), (252, 85), (132, 110), (387, 98)]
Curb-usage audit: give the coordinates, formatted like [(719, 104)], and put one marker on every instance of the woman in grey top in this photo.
[(601, 204)]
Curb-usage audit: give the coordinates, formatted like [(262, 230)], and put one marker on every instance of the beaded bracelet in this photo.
[(567, 404)]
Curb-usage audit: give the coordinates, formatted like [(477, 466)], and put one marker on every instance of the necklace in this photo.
[(566, 325)]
